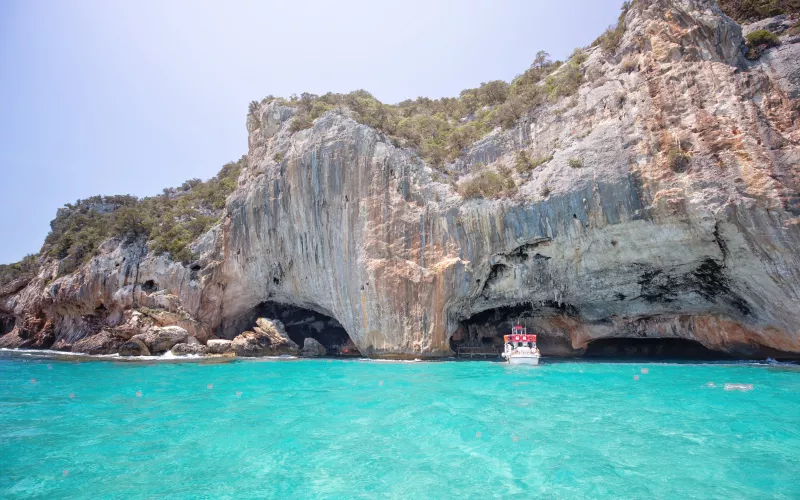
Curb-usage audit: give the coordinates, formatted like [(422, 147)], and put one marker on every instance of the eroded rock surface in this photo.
[(337, 220)]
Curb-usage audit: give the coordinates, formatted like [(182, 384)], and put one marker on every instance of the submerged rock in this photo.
[(134, 347), (312, 348)]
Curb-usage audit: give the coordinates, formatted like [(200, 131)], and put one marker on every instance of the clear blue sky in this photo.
[(129, 97)]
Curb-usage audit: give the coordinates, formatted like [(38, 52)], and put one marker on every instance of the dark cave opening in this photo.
[(481, 335), (552, 322), (651, 348), (301, 323), (7, 323)]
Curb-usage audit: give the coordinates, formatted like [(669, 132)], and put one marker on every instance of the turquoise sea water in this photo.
[(358, 429)]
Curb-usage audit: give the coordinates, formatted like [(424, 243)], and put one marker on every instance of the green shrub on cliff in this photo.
[(169, 221), (441, 129), (678, 160), (487, 184), (758, 41), (27, 267), (609, 40)]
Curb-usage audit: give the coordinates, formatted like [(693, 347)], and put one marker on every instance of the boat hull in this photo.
[(523, 360)]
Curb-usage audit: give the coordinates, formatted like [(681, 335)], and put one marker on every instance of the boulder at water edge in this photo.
[(104, 342), (268, 338), (312, 348), (160, 339), (187, 349), (134, 347), (218, 346)]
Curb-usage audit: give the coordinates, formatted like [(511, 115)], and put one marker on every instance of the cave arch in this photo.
[(301, 323)]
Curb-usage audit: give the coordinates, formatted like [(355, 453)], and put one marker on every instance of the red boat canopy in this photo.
[(519, 338)]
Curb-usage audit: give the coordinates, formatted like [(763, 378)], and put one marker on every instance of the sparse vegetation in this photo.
[(26, 268), (252, 108), (568, 78), (545, 192), (609, 40), (677, 159), (753, 10), (169, 221), (525, 163), (278, 157), (300, 122), (575, 162), (758, 41), (628, 65), (794, 30), (487, 184), (440, 129)]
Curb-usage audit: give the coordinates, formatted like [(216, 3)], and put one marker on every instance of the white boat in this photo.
[(520, 348)]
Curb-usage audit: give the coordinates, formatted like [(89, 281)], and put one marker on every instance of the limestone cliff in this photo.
[(669, 209)]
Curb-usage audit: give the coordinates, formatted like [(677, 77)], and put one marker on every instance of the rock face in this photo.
[(312, 348), (632, 244), (134, 347), (268, 338)]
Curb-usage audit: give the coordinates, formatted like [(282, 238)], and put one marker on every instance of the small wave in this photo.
[(51, 354)]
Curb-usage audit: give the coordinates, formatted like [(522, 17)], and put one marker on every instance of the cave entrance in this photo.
[(481, 335), (485, 330), (651, 348), (7, 323), (302, 323)]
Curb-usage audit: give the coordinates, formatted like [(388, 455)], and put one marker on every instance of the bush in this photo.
[(678, 160), (628, 65), (441, 129), (301, 121), (794, 30), (545, 192), (487, 184), (169, 221), (252, 108), (26, 268), (566, 80), (525, 164), (575, 162), (758, 41), (609, 40)]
